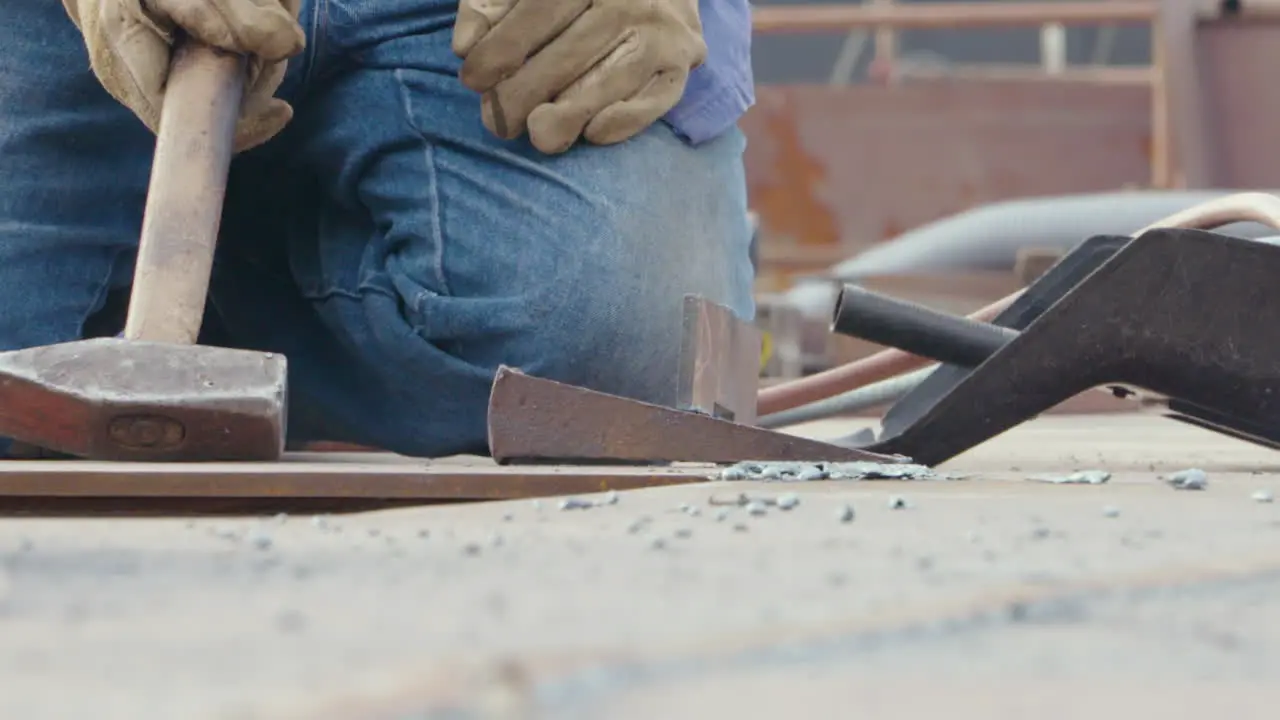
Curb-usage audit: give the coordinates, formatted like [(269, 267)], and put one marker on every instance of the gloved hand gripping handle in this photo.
[(194, 145)]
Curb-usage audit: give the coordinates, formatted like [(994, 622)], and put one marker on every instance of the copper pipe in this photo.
[(817, 18), (1241, 207)]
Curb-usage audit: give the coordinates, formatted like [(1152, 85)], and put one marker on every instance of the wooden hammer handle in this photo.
[(194, 145)]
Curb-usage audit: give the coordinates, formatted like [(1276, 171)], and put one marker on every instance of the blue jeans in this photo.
[(390, 247)]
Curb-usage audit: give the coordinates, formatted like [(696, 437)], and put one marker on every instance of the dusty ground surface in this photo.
[(990, 597)]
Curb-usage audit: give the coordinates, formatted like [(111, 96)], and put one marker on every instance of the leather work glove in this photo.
[(129, 44), (563, 69)]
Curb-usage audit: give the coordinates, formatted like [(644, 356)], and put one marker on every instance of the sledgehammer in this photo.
[(154, 394)]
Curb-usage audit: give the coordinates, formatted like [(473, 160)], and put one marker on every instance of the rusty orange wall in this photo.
[(1235, 63), (860, 164)]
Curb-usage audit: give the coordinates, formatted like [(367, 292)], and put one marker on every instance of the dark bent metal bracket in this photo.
[(719, 363), (1044, 292), (534, 420), (1185, 314)]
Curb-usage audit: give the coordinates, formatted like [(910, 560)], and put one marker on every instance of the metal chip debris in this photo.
[(897, 503), (787, 501), (756, 507), (575, 503), (639, 524), (260, 541), (1192, 479), (845, 514), (1080, 477), (809, 472), (1110, 511), (738, 500), (1262, 496)]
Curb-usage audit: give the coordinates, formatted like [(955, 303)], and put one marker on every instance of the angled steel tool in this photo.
[(1183, 314), (154, 395), (536, 420)]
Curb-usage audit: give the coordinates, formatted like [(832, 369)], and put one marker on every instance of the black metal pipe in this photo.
[(916, 329)]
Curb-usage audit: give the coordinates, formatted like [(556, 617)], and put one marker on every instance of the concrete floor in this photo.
[(990, 597)]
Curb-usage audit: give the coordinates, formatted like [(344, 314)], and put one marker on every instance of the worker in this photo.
[(423, 190)]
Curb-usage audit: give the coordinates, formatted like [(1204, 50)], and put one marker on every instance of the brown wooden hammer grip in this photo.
[(194, 145)]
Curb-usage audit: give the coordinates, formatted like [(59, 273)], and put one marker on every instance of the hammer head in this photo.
[(114, 399)]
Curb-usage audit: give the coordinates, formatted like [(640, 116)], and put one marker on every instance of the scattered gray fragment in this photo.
[(260, 541), (810, 472), (738, 500), (573, 503), (787, 501), (291, 621), (1040, 533), (1262, 496), (1080, 477), (226, 533), (639, 524), (320, 522), (897, 502), (845, 514), (722, 515), (658, 544), (740, 527), (281, 518), (692, 511), (508, 517), (471, 549), (755, 507), (684, 533), (1111, 511), (1191, 479)]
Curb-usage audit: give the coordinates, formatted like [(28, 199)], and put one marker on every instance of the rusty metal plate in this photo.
[(338, 477), (537, 420), (719, 363), (937, 148)]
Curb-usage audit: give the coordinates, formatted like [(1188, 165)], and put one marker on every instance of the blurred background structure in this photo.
[(948, 151)]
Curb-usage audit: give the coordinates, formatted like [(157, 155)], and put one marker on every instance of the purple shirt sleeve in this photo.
[(722, 89)]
